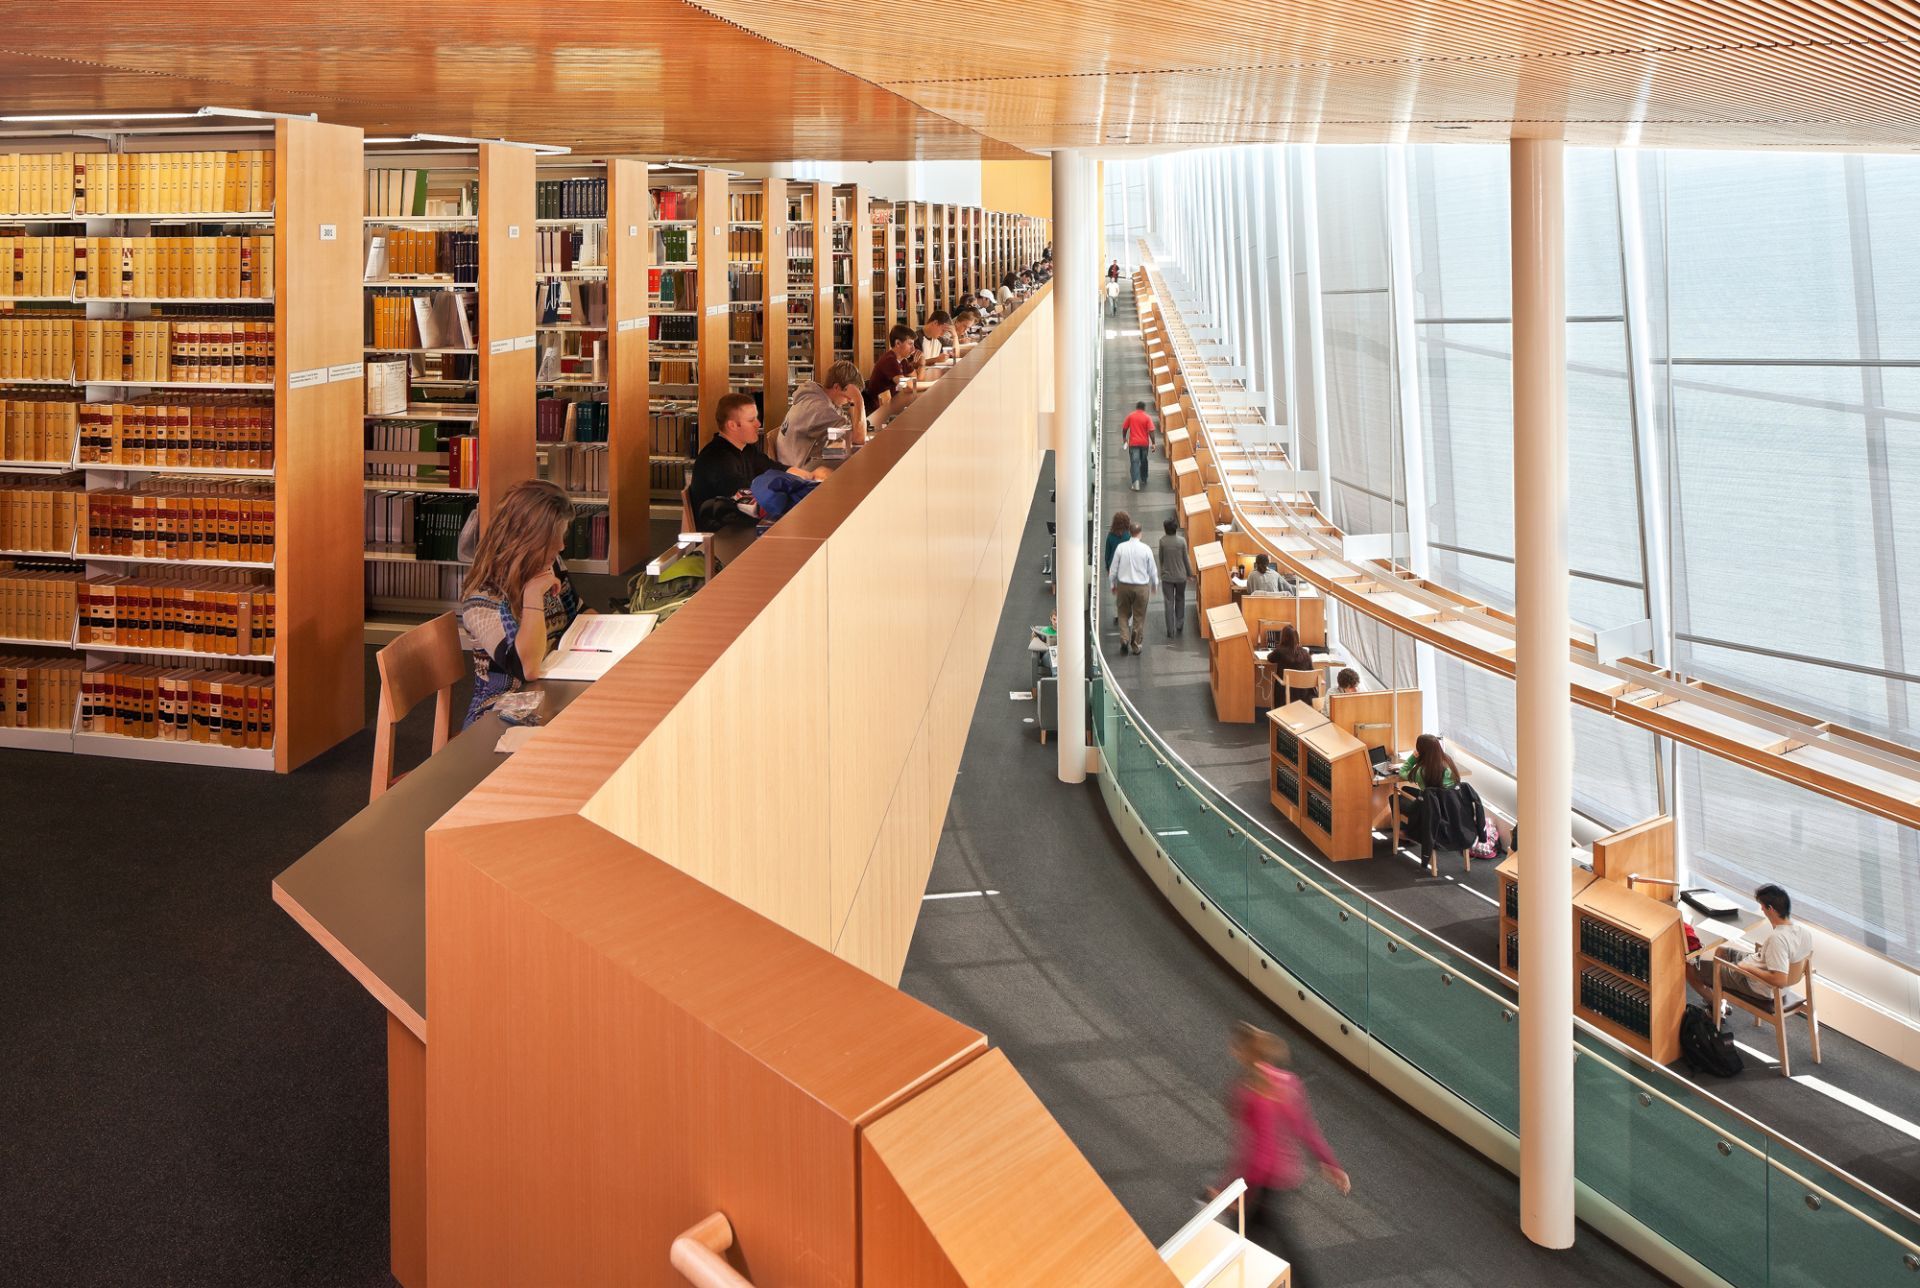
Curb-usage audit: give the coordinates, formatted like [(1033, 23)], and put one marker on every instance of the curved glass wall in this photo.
[(1743, 353)]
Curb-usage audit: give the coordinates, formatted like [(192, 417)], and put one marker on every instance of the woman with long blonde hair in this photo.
[(517, 601)]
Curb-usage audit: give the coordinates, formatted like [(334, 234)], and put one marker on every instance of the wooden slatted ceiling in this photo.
[(653, 78), (1720, 73)]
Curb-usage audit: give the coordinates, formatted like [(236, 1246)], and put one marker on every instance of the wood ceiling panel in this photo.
[(837, 79), (645, 77), (1094, 73)]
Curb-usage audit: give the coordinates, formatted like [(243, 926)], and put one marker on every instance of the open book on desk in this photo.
[(594, 643)]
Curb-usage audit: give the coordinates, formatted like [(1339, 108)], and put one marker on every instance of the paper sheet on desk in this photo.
[(594, 643), (514, 737)]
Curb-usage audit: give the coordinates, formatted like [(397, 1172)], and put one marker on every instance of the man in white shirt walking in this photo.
[(1133, 576)]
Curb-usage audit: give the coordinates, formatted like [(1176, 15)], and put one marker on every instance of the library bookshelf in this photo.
[(853, 261), (885, 304), (675, 308), (1286, 756), (757, 294), (208, 522)]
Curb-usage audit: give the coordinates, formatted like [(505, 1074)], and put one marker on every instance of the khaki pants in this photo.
[(1132, 601)]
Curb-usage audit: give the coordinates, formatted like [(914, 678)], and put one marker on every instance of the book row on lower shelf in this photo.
[(198, 615), (228, 708), (581, 469), (197, 431), (68, 349), (228, 520), (105, 269), (421, 585)]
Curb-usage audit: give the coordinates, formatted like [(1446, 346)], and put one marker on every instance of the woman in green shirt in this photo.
[(1428, 768)]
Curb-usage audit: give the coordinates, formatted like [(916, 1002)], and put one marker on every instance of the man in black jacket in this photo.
[(726, 467)]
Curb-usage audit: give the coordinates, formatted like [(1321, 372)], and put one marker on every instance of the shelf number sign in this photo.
[(329, 232), (513, 232), (633, 230)]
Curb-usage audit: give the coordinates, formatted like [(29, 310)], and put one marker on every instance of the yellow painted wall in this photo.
[(1022, 187)]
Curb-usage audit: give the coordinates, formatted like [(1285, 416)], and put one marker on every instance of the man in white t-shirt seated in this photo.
[(1758, 977)]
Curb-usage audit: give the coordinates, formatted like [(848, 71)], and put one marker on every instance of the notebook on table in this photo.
[(594, 643)]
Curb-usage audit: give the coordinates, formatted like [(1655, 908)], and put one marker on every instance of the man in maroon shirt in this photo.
[(1139, 428), (898, 362)]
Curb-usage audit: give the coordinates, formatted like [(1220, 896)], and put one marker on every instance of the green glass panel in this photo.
[(1295, 924), (1436, 1020), (1692, 1183), (1813, 1241)]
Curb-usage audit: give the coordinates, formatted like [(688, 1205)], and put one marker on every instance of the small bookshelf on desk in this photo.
[(1508, 875), (1336, 806), (1630, 968), (1287, 727)]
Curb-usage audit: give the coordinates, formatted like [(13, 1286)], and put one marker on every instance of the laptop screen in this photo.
[(1378, 757)]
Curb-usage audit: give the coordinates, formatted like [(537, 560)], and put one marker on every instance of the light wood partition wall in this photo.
[(319, 699), (507, 355), (650, 1004), (710, 254), (629, 427)]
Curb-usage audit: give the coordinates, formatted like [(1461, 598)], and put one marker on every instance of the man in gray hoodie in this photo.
[(817, 408)]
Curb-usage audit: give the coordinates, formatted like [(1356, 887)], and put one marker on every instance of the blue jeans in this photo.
[(1139, 465)]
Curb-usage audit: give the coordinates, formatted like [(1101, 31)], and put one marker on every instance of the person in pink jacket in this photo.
[(1274, 1126)]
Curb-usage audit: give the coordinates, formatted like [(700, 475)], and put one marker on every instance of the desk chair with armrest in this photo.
[(426, 660), (687, 526), (1785, 1004)]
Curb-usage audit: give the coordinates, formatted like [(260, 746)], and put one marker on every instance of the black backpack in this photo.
[(1706, 1047)]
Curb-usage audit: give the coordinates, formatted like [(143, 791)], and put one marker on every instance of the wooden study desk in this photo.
[(362, 893)]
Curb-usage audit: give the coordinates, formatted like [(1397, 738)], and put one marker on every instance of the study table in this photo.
[(362, 892)]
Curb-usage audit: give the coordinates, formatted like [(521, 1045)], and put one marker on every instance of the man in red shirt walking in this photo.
[(1139, 428)]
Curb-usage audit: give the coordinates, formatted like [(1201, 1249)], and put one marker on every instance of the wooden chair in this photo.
[(1800, 975), (1305, 681), (687, 525), (427, 659)]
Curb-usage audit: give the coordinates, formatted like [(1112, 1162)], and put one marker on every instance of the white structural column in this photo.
[(1076, 283), (1545, 725)]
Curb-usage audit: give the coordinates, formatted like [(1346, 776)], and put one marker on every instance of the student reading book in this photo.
[(518, 601)]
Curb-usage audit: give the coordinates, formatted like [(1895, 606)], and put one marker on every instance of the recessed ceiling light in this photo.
[(1453, 127)]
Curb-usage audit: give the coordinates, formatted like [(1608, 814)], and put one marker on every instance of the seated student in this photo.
[(1007, 285), (1289, 654), (726, 467), (964, 323), (934, 342), (1264, 580), (1348, 681), (817, 408), (890, 372), (1431, 769), (1768, 970), (516, 599)]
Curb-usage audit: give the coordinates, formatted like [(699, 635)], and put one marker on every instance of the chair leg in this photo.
[(1813, 1030), (1780, 1035)]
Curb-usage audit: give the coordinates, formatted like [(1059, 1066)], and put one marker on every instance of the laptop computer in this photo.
[(1381, 761)]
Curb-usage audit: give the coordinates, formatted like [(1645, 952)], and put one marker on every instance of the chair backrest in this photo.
[(686, 511), (1302, 679), (1801, 972), (426, 660)]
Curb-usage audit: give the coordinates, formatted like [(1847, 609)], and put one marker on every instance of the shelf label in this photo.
[(780, 299), (632, 324), (513, 232), (522, 342), (498, 347), (633, 230), (308, 378), (714, 310), (329, 232), (344, 371)]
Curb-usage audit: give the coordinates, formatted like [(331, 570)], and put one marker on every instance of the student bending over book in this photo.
[(517, 600)]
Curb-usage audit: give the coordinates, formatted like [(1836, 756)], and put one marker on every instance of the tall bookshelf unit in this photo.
[(802, 248), (820, 348), (710, 256), (240, 680), (852, 275), (758, 293), (675, 315), (591, 343), (885, 306)]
